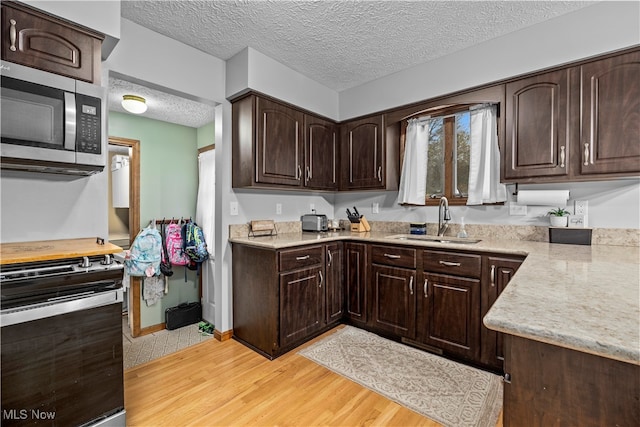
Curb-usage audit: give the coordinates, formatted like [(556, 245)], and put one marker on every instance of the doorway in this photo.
[(133, 294)]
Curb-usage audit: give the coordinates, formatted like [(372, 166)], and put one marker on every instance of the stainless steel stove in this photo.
[(61, 333)]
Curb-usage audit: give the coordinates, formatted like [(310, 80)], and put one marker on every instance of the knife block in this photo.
[(360, 227)]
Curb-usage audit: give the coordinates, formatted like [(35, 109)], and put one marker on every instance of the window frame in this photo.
[(448, 112)]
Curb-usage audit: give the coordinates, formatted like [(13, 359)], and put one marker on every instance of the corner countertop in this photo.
[(46, 250), (586, 298)]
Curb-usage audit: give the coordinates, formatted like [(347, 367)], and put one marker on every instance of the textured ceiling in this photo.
[(340, 44)]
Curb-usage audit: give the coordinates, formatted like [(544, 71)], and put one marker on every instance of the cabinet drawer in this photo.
[(452, 263), (396, 256), (300, 257)]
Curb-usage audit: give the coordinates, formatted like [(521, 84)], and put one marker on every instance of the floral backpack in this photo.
[(174, 244), (143, 259)]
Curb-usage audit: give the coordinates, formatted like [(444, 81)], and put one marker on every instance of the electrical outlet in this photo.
[(581, 207), (515, 209), (233, 208), (278, 208), (312, 207), (375, 208)]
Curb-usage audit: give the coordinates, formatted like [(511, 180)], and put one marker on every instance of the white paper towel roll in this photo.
[(543, 197)]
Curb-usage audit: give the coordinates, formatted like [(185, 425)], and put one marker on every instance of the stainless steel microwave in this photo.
[(51, 123)]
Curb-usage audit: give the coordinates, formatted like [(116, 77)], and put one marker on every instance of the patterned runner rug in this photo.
[(445, 391)]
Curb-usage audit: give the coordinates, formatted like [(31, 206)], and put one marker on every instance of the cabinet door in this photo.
[(355, 282), (394, 301), (499, 272), (334, 274), (40, 41), (320, 154), (362, 157), (610, 132), (301, 304), (449, 314), (278, 144), (537, 126)]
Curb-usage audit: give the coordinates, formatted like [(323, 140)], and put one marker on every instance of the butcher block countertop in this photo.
[(46, 250), (585, 298)]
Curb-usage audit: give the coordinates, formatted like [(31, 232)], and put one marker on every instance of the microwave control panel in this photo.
[(89, 131)]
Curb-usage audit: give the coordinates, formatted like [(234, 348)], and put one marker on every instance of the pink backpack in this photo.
[(174, 245)]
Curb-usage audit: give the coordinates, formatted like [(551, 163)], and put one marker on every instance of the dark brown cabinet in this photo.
[(334, 282), (363, 162), (278, 146), (609, 138), (537, 126), (449, 307), (38, 40), (355, 285), (574, 124), (320, 154), (282, 298), (498, 271)]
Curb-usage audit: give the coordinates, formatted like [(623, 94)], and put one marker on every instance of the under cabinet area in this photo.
[(35, 39), (281, 298)]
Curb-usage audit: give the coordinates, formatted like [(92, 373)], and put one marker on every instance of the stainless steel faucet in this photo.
[(443, 216)]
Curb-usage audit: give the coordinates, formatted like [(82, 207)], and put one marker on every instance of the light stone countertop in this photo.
[(585, 298)]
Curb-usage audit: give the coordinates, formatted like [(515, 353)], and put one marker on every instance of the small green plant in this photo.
[(558, 212)]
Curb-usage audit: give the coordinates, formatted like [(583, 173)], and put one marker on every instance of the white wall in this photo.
[(603, 27)]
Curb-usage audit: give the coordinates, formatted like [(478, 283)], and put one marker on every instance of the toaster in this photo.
[(314, 222)]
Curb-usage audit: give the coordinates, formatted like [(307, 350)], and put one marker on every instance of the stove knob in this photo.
[(107, 260), (85, 262)]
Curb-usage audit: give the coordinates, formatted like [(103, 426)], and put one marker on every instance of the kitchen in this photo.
[(206, 79)]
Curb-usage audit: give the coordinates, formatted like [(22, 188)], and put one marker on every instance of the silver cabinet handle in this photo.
[(424, 289), (299, 173), (392, 256), (321, 279), (562, 156), (586, 154), (307, 175), (302, 258), (411, 286), (12, 35), (450, 264), (330, 257), (380, 173), (493, 276)]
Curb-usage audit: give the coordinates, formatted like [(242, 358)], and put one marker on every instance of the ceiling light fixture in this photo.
[(134, 104)]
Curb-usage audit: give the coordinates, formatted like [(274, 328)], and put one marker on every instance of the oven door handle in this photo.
[(73, 303)]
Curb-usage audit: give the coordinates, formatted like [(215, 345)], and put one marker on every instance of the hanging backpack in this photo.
[(174, 244), (194, 244), (145, 254)]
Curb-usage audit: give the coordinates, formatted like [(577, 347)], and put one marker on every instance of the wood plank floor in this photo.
[(225, 383)]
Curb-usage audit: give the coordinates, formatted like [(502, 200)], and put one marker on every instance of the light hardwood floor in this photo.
[(225, 383)]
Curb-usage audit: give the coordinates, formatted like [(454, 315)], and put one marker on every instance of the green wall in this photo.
[(206, 135), (168, 189)]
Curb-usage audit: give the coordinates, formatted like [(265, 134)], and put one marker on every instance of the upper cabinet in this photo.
[(609, 102), (537, 124), (38, 40), (363, 154), (321, 155), (574, 124)]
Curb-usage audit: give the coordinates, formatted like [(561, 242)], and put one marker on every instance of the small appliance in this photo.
[(314, 222), (51, 123)]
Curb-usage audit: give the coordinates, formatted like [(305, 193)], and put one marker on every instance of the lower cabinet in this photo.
[(394, 300), (449, 314), (355, 285), (282, 298)]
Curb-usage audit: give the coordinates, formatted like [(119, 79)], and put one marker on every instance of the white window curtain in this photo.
[(206, 197), (484, 162), (413, 179)]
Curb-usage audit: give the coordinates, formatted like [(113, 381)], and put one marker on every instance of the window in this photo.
[(448, 156)]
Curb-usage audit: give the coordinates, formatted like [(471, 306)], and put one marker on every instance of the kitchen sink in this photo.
[(438, 239)]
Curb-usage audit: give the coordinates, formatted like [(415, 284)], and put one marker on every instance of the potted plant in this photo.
[(559, 217)]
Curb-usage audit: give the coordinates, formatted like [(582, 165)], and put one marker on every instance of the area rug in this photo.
[(450, 393), (153, 346)]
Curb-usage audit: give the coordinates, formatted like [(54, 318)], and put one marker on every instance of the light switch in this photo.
[(233, 208)]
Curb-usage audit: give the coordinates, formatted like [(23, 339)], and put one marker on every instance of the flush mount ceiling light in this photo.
[(134, 104)]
